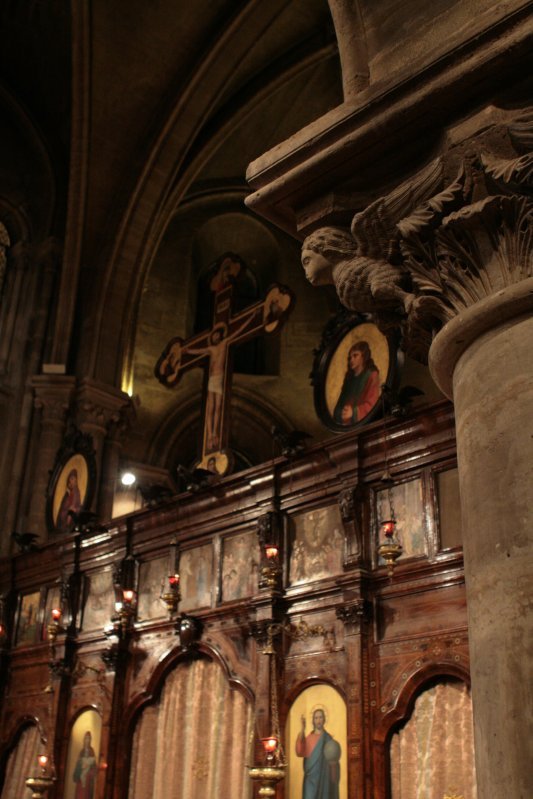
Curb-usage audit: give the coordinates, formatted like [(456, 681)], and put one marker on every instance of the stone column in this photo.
[(484, 360), (467, 246), (53, 394), (20, 262)]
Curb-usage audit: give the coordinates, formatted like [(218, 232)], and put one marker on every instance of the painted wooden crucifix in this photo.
[(212, 348)]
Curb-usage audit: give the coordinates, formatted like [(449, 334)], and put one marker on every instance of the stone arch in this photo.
[(252, 420), (19, 757)]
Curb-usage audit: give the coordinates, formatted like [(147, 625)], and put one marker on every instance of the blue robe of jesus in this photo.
[(318, 781)]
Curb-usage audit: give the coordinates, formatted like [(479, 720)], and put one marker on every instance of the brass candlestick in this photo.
[(172, 597), (267, 777), (390, 549), (41, 784), (271, 571)]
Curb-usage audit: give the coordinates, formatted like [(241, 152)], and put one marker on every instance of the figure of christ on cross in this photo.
[(217, 351), (213, 345)]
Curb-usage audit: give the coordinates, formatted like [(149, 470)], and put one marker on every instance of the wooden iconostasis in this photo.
[(372, 651)]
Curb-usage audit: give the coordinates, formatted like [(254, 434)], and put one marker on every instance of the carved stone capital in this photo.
[(101, 408), (477, 251), (53, 394), (437, 245)]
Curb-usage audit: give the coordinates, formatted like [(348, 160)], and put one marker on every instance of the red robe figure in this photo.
[(85, 770)]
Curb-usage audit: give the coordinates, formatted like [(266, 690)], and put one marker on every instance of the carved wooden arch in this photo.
[(38, 225), (247, 409), (141, 226), (155, 685), (20, 724), (300, 687), (65, 741), (79, 711), (167, 664), (402, 710)]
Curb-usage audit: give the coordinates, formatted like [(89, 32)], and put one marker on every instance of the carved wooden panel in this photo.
[(339, 620), (449, 508), (240, 566), (197, 577), (100, 602), (152, 577), (421, 612), (318, 545)]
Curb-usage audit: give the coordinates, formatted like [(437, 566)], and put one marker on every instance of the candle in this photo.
[(56, 614), (271, 551), (174, 580), (270, 744)]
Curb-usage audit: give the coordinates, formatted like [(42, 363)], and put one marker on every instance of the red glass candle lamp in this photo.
[(271, 551), (271, 570), (128, 596), (172, 596), (40, 784), (268, 775), (270, 747), (390, 548), (55, 626), (43, 762)]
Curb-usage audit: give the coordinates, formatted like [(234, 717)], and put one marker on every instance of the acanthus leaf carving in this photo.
[(428, 251), (515, 172), (427, 215), (521, 131), (485, 247)]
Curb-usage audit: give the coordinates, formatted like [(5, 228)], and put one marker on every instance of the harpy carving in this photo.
[(430, 249)]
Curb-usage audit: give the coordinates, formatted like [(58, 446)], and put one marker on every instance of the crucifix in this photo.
[(212, 349)]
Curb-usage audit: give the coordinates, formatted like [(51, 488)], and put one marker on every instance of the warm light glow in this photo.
[(127, 382), (2, 629), (128, 595), (56, 614), (270, 744), (174, 580), (128, 479), (271, 551), (388, 527), (42, 760)]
